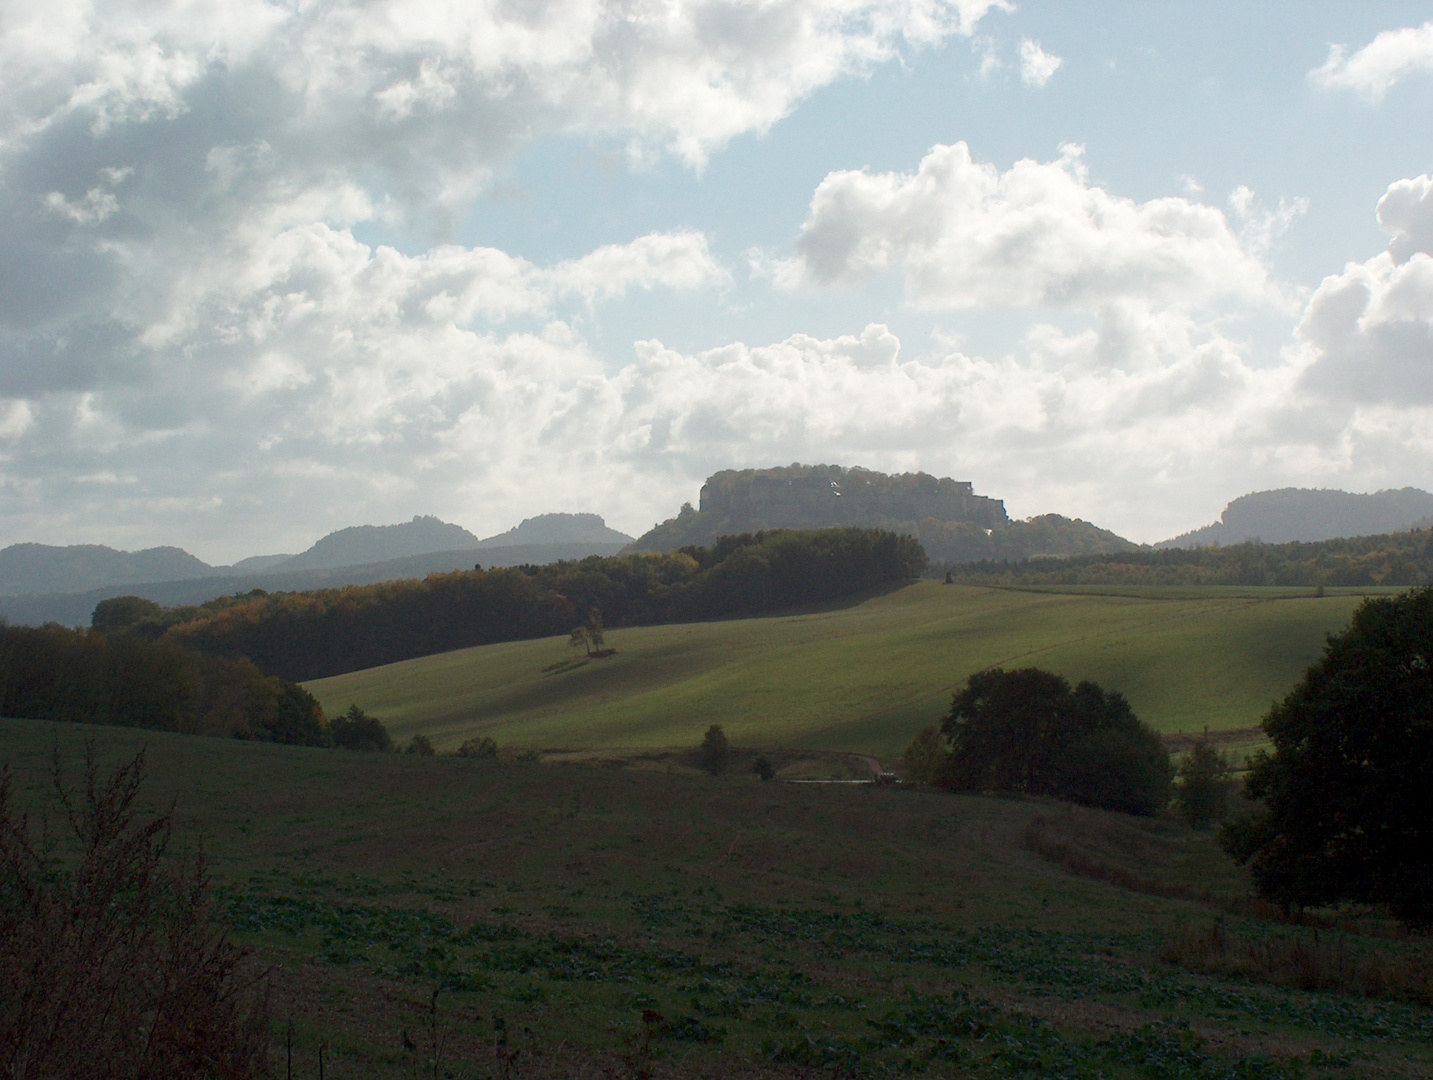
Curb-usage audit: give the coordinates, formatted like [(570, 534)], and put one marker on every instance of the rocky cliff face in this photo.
[(820, 497)]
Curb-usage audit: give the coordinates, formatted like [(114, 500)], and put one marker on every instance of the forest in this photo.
[(1394, 559), (55, 673), (310, 635)]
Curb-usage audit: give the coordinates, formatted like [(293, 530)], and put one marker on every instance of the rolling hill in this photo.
[(861, 677)]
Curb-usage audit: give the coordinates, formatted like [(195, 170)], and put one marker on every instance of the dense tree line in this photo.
[(313, 634), (55, 673), (1394, 559)]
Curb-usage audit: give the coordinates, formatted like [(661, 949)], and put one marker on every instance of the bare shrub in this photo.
[(1309, 961), (110, 965)]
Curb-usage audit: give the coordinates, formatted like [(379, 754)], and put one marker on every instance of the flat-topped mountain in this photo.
[(819, 497), (1309, 514)]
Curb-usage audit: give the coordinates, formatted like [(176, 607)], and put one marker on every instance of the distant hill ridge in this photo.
[(1287, 515), (47, 572), (558, 529), (360, 544), (37, 568)]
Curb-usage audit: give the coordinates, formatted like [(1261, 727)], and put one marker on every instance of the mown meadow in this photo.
[(863, 676), (450, 917)]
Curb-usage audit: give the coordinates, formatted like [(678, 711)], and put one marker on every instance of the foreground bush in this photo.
[(111, 968), (1027, 732)]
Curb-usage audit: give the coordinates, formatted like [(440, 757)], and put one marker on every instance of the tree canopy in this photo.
[(1348, 790), (53, 673), (1028, 732)]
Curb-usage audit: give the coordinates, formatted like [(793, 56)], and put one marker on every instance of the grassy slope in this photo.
[(860, 678), (796, 920)]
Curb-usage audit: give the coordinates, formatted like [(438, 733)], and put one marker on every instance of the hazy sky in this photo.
[(269, 269)]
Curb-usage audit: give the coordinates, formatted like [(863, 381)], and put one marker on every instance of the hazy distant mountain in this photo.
[(43, 568), (1308, 514), (364, 544), (559, 529), (63, 584), (255, 564), (75, 609)]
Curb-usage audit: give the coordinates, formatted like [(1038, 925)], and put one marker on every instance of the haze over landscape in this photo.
[(684, 539), (273, 271)]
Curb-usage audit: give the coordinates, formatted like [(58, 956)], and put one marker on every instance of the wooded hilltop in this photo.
[(309, 635)]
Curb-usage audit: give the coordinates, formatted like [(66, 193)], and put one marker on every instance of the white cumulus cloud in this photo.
[(1039, 234), (1367, 334), (1036, 65), (1372, 70)]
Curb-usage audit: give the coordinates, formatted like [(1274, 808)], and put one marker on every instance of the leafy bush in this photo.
[(1348, 791), (111, 968), (714, 752), (1027, 732), (419, 745), (356, 730), (763, 768)]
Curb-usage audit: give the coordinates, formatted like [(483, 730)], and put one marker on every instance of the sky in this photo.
[(269, 269)]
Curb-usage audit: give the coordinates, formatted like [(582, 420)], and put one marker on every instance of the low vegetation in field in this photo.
[(471, 917)]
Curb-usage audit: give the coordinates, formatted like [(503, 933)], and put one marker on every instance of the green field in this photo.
[(611, 923), (864, 677)]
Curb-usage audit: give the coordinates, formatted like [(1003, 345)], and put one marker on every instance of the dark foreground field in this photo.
[(525, 920)]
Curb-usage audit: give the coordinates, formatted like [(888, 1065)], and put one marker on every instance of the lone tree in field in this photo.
[(109, 964), (589, 635), (713, 754), (1027, 732), (1348, 790)]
